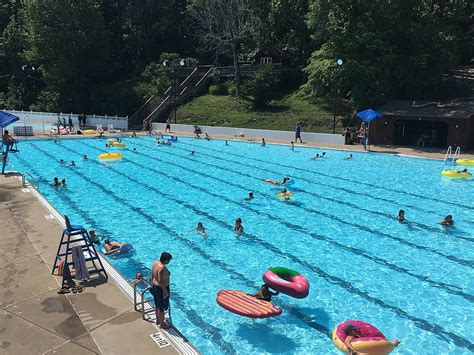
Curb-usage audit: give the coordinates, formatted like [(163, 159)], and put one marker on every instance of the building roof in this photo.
[(448, 109)]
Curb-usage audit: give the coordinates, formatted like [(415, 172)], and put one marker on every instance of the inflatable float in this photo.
[(116, 144), (465, 161), (89, 131), (286, 196), (125, 249), (110, 156), (371, 342), (456, 174), (287, 281), (245, 305)]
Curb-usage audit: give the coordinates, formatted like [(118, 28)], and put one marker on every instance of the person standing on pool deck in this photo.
[(168, 125), (160, 288), (298, 133)]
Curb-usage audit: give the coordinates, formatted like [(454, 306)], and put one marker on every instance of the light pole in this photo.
[(339, 62), (173, 65)]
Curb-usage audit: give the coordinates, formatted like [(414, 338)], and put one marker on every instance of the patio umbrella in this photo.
[(367, 116)]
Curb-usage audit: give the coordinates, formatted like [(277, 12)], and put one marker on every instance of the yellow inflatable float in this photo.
[(110, 156), (89, 131), (465, 161), (116, 144), (456, 174)]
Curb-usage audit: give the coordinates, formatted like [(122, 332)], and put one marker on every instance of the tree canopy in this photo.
[(100, 55)]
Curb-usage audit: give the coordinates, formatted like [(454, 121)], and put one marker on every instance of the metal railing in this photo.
[(141, 303), (32, 181)]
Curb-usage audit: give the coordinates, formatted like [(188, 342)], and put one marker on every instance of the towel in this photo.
[(79, 263)]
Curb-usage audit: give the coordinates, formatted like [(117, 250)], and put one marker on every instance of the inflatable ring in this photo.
[(110, 156), (285, 196), (465, 161), (371, 342), (456, 174), (116, 144), (287, 281), (89, 131)]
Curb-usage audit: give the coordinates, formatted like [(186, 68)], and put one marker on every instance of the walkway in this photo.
[(34, 319)]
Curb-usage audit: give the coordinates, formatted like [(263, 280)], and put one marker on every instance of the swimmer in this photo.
[(447, 221), (401, 216), (354, 332), (263, 142), (137, 279), (324, 154), (73, 163), (200, 229), (192, 152), (462, 171), (248, 198), (292, 146), (349, 157), (106, 146), (63, 182), (265, 294), (134, 134), (62, 162), (112, 247), (226, 143), (135, 150), (208, 138), (84, 157), (94, 237), (238, 228), (56, 182), (315, 157), (276, 183)]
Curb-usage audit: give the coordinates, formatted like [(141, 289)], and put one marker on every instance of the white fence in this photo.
[(44, 121), (257, 133)]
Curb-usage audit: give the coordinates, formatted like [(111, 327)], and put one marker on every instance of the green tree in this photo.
[(68, 40), (262, 86)]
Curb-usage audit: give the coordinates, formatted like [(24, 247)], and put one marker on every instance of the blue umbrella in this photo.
[(368, 115), (7, 119)]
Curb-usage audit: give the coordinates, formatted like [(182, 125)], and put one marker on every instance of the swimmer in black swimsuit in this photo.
[(238, 228), (265, 294)]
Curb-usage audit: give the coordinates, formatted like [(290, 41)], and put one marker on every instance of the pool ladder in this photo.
[(450, 158), (142, 304), (32, 181)]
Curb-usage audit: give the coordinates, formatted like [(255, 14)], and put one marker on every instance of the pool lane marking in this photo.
[(409, 224), (334, 177), (301, 316), (445, 286), (376, 233), (436, 329)]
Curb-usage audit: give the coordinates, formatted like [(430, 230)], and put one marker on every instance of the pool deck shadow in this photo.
[(34, 318)]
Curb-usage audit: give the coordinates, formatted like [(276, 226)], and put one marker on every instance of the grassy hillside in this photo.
[(282, 114)]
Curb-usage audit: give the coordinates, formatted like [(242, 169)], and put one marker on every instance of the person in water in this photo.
[(263, 142), (447, 221), (315, 156), (73, 163), (192, 152), (94, 237), (265, 294), (353, 332), (285, 192), (134, 150), (62, 162), (249, 197), (56, 182), (63, 182), (349, 157), (292, 146), (226, 143), (401, 216), (112, 247), (238, 228), (462, 171), (323, 155), (276, 183), (160, 288), (208, 137), (84, 157), (200, 229)]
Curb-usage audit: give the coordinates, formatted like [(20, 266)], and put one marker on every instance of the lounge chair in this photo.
[(111, 129)]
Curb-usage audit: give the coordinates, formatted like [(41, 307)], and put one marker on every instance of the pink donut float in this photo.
[(287, 281), (371, 342)]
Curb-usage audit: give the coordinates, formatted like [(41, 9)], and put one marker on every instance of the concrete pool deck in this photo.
[(34, 318)]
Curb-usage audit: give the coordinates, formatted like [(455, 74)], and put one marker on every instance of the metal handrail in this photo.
[(23, 180), (143, 301)]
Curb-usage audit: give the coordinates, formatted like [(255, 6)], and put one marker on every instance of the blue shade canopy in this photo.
[(7, 119), (368, 115)]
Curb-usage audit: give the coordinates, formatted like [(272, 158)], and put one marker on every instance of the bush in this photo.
[(218, 89), (231, 90), (262, 86)]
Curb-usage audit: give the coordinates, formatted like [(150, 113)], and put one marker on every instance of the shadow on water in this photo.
[(317, 315), (258, 334)]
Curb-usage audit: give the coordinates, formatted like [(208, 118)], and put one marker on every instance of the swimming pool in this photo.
[(413, 280)]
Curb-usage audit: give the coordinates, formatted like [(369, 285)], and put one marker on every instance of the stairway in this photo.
[(157, 108)]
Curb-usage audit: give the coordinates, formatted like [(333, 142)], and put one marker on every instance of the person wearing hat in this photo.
[(354, 332)]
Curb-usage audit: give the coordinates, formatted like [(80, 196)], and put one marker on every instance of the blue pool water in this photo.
[(412, 280)]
